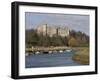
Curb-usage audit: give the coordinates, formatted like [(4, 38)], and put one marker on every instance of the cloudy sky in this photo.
[(72, 21)]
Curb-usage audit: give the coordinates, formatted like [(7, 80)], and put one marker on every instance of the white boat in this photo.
[(50, 51), (68, 50), (37, 52), (61, 51)]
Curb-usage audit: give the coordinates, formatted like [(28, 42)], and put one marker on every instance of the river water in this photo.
[(50, 60)]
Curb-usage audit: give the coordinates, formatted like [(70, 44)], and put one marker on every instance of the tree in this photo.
[(72, 42), (74, 39)]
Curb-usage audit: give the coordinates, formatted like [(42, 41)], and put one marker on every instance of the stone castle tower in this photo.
[(44, 29)]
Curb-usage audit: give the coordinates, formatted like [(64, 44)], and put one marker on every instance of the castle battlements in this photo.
[(45, 29)]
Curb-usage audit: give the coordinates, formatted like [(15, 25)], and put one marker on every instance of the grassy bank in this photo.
[(81, 55)]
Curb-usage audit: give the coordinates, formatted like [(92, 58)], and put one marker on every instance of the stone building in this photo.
[(63, 31), (44, 29), (51, 31)]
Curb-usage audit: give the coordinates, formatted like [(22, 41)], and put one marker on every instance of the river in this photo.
[(50, 60)]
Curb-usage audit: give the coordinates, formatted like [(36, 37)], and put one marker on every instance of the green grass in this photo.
[(81, 55)]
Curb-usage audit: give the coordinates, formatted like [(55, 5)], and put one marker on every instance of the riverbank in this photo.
[(81, 55), (47, 49)]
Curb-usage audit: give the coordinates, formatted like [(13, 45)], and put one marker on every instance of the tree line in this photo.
[(74, 39)]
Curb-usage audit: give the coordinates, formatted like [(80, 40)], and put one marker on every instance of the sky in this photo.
[(72, 21)]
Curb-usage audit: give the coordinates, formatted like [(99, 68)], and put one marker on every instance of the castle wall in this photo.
[(51, 31)]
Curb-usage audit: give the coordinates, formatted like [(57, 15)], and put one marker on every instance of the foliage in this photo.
[(74, 39), (81, 55), (72, 42), (78, 39)]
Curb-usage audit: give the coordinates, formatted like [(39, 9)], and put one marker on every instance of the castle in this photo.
[(45, 29)]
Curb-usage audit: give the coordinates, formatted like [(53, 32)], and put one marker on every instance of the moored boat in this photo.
[(68, 50), (61, 51), (37, 52)]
